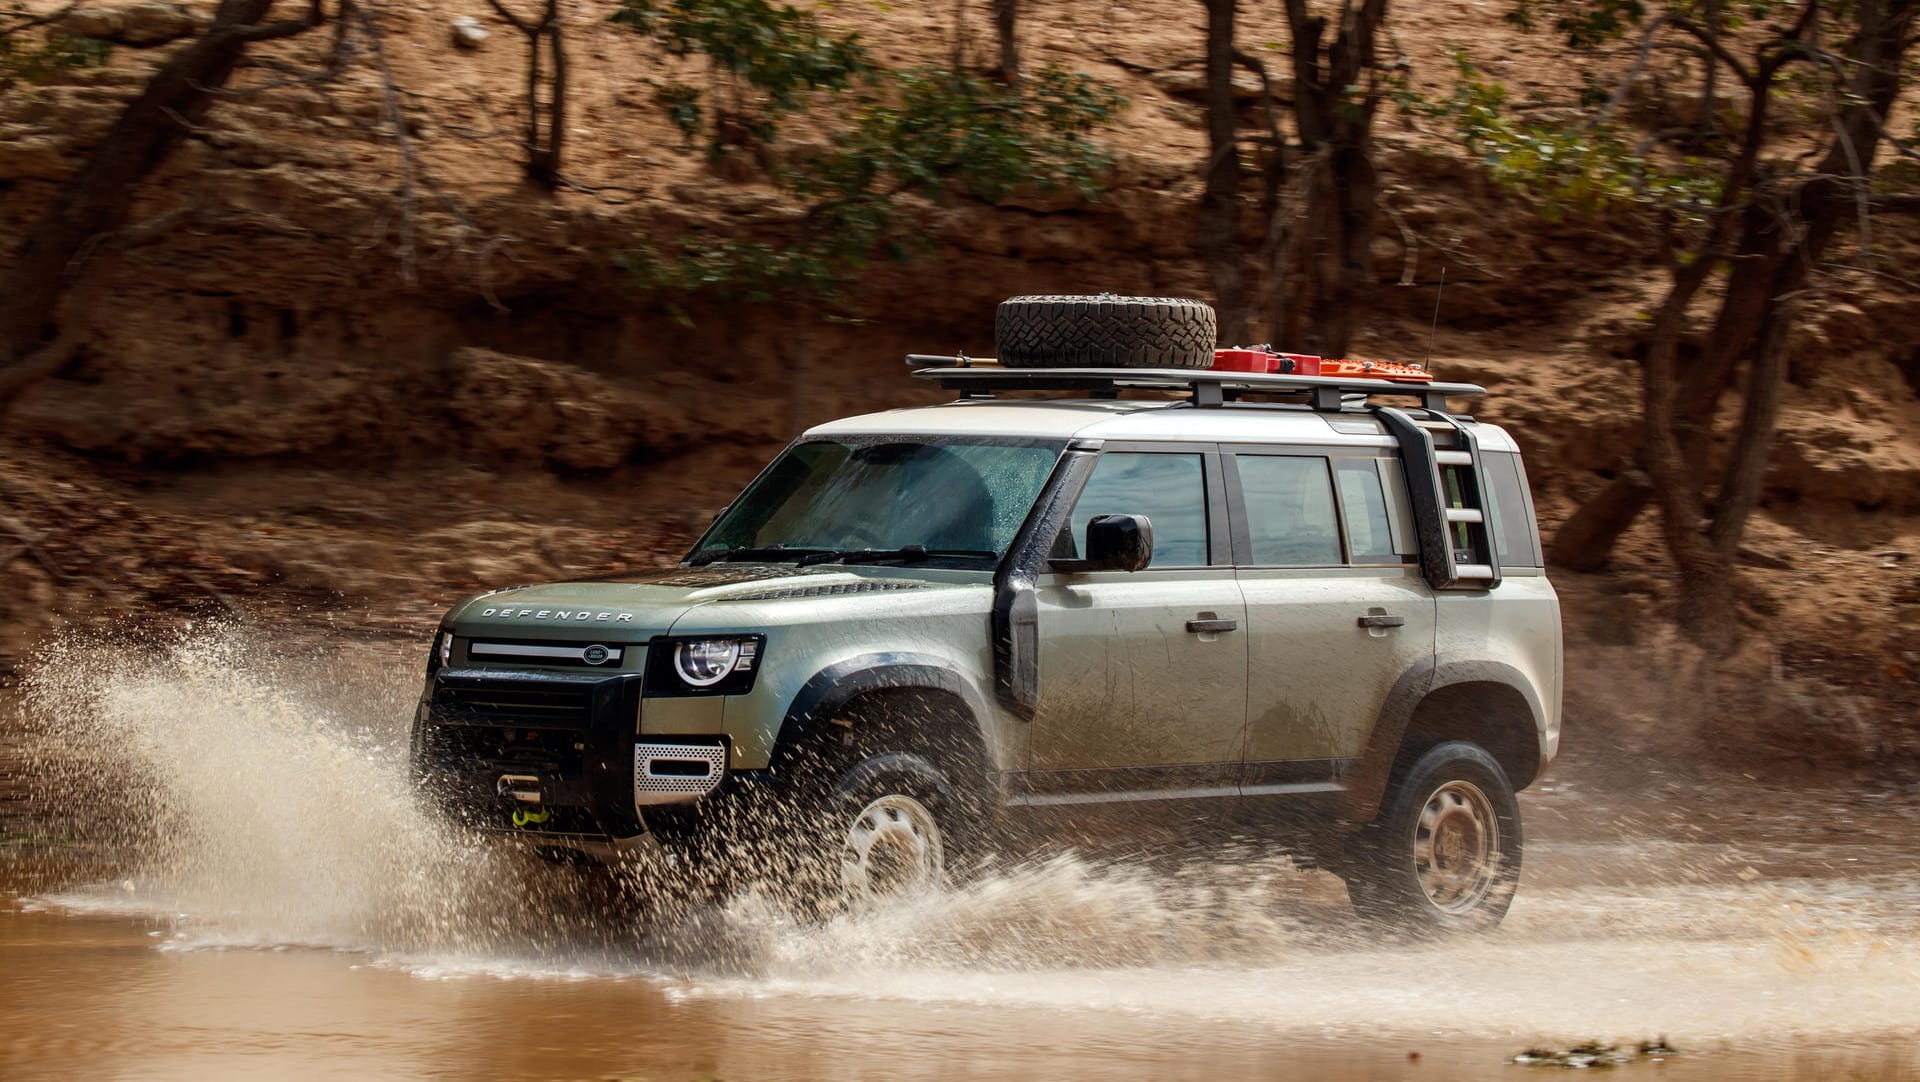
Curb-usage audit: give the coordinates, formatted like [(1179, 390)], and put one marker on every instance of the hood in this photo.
[(643, 604)]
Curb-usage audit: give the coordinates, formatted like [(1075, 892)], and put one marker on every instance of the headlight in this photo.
[(723, 665), (705, 662), (444, 648)]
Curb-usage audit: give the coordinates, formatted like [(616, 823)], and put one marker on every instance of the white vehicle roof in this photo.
[(1109, 419)]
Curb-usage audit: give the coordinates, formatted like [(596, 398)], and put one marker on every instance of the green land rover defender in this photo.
[(1202, 590)]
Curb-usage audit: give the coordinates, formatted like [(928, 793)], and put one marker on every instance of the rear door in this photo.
[(1143, 673), (1337, 610)]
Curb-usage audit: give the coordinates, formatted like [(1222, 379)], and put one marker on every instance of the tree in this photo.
[(1218, 239), (920, 132), (1337, 89), (1769, 228), (1006, 19), (763, 61), (543, 149), (37, 331)]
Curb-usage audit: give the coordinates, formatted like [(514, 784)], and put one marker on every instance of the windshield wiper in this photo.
[(774, 553), (914, 553)]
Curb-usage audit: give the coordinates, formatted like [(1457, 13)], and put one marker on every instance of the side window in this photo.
[(1513, 532), (1170, 490), (1455, 483), (1290, 516), (1363, 504)]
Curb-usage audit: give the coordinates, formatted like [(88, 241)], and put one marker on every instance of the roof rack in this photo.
[(1209, 387)]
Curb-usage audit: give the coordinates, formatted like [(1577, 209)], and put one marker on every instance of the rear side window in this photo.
[(1514, 537), (1363, 505), (1170, 490), (1290, 512)]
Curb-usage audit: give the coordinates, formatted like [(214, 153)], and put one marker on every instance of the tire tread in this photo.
[(1104, 331)]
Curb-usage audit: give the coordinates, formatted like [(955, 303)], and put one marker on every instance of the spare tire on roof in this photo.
[(1104, 332)]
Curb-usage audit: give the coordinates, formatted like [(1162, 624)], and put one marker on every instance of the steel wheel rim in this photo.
[(1456, 847), (893, 846)]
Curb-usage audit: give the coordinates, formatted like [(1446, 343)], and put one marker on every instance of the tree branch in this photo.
[(42, 20), (1713, 45), (285, 28)]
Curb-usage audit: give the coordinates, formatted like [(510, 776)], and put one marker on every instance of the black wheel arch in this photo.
[(1487, 703), (913, 682)]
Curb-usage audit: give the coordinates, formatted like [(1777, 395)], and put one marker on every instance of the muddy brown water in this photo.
[(213, 869)]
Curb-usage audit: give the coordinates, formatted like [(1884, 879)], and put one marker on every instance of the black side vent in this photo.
[(827, 590)]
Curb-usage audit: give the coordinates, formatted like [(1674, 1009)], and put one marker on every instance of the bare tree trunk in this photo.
[(543, 150), (1355, 188), (1585, 541), (1709, 122), (1006, 20), (1747, 466), (1336, 128), (1218, 239), (1706, 610), (95, 202)]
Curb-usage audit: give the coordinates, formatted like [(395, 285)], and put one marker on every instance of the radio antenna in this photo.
[(1434, 331)]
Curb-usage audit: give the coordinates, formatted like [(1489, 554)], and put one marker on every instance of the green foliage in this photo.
[(682, 104), (1592, 24), (770, 56), (919, 132), (928, 130), (1561, 167), (1587, 24), (33, 54)]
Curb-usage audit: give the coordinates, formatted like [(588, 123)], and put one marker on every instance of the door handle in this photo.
[(1210, 627), (1381, 619)]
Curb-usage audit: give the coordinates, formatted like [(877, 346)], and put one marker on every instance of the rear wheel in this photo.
[(1445, 855)]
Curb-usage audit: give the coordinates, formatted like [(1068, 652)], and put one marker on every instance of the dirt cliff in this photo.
[(303, 402)]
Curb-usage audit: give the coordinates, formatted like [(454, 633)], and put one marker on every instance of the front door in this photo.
[(1143, 673)]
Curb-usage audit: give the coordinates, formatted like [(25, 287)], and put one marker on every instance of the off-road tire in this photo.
[(882, 793), (1104, 332), (789, 842), (1455, 798)]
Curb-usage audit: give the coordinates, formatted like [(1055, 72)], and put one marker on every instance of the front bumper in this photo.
[(554, 756)]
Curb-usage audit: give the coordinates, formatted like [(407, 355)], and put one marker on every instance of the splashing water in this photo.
[(255, 796), (255, 814)]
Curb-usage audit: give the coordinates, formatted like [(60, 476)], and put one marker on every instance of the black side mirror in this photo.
[(1118, 543)]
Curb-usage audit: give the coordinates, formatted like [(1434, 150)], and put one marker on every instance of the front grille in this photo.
[(581, 654), (543, 704), (565, 737)]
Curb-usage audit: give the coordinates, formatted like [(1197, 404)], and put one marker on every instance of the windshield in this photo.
[(886, 499)]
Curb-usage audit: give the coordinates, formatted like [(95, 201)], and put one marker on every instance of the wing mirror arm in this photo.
[(1114, 543)]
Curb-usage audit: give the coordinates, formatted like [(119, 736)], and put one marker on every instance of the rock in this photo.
[(103, 23), (1191, 84), (468, 33), (35, 157), (505, 405), (156, 23), (140, 25)]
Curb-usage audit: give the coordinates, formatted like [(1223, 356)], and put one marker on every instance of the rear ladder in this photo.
[(1441, 459)]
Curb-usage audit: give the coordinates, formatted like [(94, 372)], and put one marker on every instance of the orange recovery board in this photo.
[(1301, 364)]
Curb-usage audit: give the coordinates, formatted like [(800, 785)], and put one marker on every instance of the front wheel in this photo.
[(886, 826), (1445, 855)]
